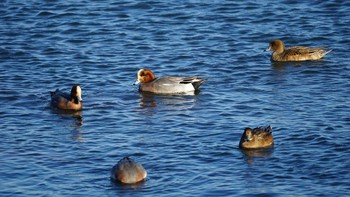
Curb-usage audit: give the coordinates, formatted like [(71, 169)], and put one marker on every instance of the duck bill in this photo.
[(80, 99), (268, 49), (136, 82)]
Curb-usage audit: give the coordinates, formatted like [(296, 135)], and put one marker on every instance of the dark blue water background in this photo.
[(187, 143)]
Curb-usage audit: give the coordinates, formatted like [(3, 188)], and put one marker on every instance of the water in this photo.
[(188, 143)]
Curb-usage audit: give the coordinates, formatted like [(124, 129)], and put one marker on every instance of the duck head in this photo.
[(144, 76), (247, 135), (260, 137), (276, 46), (76, 93)]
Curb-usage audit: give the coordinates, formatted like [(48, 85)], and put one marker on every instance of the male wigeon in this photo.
[(167, 84), (260, 137), (296, 53), (128, 171), (72, 101)]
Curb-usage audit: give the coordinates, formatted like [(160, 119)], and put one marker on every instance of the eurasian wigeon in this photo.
[(296, 53), (128, 171), (167, 84), (260, 137), (72, 101)]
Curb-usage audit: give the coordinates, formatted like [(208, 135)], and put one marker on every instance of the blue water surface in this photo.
[(187, 143)]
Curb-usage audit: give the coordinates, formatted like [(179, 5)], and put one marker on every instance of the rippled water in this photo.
[(187, 143)]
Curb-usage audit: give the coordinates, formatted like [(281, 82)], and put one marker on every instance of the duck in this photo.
[(128, 171), (296, 53), (259, 137), (65, 101), (167, 84)]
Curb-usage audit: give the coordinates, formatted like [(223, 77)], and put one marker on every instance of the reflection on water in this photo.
[(77, 132), (284, 65), (180, 101), (147, 100), (253, 153), (122, 186), (75, 121), (68, 114)]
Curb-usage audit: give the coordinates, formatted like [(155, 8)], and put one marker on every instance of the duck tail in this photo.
[(198, 82), (52, 93), (268, 129), (327, 51), (322, 51)]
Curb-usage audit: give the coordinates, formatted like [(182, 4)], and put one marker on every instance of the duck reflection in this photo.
[(263, 152), (251, 154), (147, 100), (68, 114), (118, 185), (75, 122), (77, 133), (284, 65), (178, 101)]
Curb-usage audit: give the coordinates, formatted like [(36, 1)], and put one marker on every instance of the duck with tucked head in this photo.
[(296, 53), (128, 171), (64, 101), (167, 84), (260, 137)]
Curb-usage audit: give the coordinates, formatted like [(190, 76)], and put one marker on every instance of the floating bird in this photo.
[(128, 171), (296, 53), (65, 101), (167, 84), (260, 137)]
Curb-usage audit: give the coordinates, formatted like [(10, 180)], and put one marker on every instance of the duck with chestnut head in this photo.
[(167, 84)]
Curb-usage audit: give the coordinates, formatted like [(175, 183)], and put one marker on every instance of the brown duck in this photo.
[(296, 53), (260, 137), (128, 171)]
